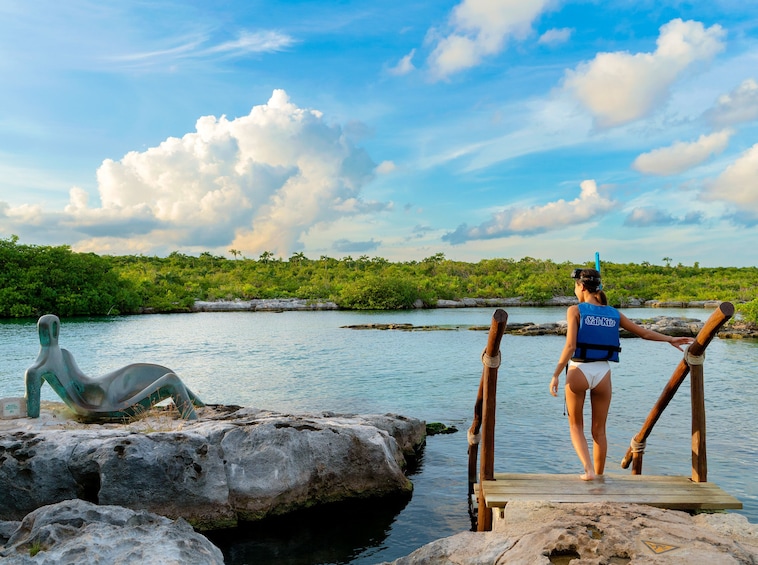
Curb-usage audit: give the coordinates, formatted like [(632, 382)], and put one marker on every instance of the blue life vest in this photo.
[(598, 335)]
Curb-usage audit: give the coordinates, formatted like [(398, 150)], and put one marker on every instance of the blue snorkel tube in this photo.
[(597, 266)]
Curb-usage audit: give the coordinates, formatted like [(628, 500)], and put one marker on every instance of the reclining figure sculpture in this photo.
[(120, 394)]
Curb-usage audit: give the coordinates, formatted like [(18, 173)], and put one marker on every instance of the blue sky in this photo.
[(401, 129)]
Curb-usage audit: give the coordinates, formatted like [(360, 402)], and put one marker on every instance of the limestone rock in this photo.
[(541, 533), (263, 305), (75, 532), (667, 325), (232, 463), (6, 530)]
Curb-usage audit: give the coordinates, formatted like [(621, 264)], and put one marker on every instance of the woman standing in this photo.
[(592, 340)]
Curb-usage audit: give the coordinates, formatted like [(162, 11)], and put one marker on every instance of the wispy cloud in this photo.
[(404, 66), (650, 216), (347, 246), (202, 47), (266, 41), (682, 156), (589, 205), (555, 36)]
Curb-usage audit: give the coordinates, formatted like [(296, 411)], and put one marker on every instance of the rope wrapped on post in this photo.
[(637, 446), (474, 439), (691, 359), (491, 362)]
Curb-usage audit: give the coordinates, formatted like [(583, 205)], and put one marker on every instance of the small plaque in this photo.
[(12, 408)]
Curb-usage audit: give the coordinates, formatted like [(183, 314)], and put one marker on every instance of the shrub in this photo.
[(749, 311), (378, 293)]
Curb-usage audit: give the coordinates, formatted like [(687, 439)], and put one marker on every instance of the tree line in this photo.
[(37, 280)]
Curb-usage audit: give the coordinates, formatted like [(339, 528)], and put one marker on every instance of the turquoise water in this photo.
[(306, 361)]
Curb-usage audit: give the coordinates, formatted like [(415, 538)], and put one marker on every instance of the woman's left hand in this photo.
[(679, 341)]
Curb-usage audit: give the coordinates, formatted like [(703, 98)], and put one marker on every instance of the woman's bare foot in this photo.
[(588, 476)]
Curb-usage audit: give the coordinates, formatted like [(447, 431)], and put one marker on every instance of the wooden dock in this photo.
[(494, 491), (673, 492)]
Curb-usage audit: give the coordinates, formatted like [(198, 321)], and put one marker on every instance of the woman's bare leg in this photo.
[(600, 397), (576, 388)]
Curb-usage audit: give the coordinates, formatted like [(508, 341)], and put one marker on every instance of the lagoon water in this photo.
[(307, 361)]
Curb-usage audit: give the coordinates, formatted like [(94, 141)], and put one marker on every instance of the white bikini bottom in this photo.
[(593, 371)]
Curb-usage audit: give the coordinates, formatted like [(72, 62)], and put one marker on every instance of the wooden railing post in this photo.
[(484, 417), (717, 319), (474, 437), (699, 459)]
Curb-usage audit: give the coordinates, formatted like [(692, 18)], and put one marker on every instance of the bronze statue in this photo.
[(117, 395)]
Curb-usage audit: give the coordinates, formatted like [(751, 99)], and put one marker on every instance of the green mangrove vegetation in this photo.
[(54, 279)]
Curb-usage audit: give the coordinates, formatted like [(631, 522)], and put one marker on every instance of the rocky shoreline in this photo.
[(542, 532), (145, 490), (300, 304), (735, 329)]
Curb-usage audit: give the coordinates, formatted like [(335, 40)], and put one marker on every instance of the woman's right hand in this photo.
[(554, 386)]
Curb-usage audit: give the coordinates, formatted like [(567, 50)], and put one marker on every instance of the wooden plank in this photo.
[(571, 483), (624, 490), (569, 477), (654, 490), (704, 497), (672, 503)]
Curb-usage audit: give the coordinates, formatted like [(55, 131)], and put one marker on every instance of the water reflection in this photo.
[(337, 533)]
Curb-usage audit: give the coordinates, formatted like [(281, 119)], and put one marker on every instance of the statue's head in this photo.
[(48, 327)]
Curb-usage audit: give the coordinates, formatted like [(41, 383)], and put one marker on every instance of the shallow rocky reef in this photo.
[(666, 325)]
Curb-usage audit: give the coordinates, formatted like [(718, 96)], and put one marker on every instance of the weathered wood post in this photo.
[(484, 417), (697, 398), (474, 437), (717, 319)]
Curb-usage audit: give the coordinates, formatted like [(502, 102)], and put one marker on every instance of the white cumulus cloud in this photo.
[(479, 28), (589, 205), (620, 87), (682, 156), (256, 183), (736, 186), (739, 106)]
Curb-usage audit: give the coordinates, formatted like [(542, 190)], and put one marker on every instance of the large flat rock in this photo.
[(542, 533), (74, 532), (231, 464)]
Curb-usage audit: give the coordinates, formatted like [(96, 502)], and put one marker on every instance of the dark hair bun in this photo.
[(590, 278)]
